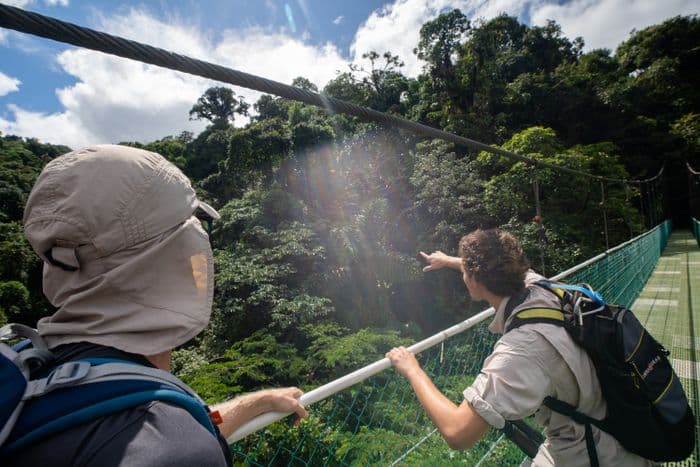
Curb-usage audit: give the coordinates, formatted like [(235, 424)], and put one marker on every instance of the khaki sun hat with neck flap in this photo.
[(126, 262)]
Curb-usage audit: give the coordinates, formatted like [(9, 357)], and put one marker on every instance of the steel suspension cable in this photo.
[(62, 31)]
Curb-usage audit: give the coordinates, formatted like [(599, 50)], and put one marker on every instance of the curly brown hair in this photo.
[(495, 259)]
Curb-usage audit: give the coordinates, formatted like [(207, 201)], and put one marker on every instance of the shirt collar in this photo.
[(498, 323)]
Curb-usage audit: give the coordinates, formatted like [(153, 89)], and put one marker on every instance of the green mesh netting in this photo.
[(380, 422), (695, 227)]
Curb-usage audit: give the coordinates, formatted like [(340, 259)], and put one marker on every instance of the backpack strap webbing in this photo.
[(96, 370), (580, 418), (536, 315), (524, 436), (553, 315)]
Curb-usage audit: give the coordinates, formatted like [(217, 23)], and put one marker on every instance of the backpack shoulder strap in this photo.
[(570, 411), (534, 314), (79, 391), (537, 315), (97, 370)]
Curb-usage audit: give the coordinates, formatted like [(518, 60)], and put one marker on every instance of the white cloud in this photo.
[(606, 23), (396, 27), (8, 84), (338, 20), (602, 23), (56, 128), (492, 8), (17, 3), (24, 3), (278, 57), (116, 99)]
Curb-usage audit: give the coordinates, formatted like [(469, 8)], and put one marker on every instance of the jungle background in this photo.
[(316, 253)]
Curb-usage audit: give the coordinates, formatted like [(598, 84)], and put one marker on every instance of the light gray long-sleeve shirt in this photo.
[(539, 360)]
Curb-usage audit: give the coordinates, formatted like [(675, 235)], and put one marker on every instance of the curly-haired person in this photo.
[(527, 364)]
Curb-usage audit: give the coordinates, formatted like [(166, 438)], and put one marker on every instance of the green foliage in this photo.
[(263, 274), (21, 161), (219, 105), (572, 207), (252, 363), (14, 299), (203, 154), (380, 88), (449, 191), (16, 255), (322, 215), (186, 361), (687, 127), (337, 355)]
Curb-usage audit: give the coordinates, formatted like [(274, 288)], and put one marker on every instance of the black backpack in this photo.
[(647, 409)]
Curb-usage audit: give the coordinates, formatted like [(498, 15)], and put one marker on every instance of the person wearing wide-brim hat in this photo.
[(129, 268)]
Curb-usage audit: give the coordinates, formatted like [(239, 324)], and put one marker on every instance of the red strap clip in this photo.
[(215, 417)]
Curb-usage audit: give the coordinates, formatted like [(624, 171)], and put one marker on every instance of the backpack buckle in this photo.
[(67, 374)]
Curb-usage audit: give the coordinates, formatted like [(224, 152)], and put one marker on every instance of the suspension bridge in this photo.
[(370, 416)]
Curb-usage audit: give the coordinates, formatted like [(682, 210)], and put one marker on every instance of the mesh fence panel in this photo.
[(380, 422)]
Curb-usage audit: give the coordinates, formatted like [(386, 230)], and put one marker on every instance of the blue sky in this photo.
[(64, 95)]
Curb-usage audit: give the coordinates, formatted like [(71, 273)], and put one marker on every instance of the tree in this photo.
[(304, 84), (380, 88), (270, 107), (571, 205), (440, 40), (219, 105)]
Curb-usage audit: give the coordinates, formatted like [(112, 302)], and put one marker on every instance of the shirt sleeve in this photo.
[(513, 381)]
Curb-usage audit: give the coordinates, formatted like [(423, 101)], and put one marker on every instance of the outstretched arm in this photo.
[(244, 408), (460, 425), (439, 260)]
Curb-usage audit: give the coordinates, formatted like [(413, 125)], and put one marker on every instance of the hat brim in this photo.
[(208, 210)]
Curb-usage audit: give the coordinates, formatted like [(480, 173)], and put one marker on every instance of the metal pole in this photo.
[(605, 215), (538, 219), (641, 206), (627, 201)]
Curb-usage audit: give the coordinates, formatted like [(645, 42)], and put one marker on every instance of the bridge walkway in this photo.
[(669, 307)]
